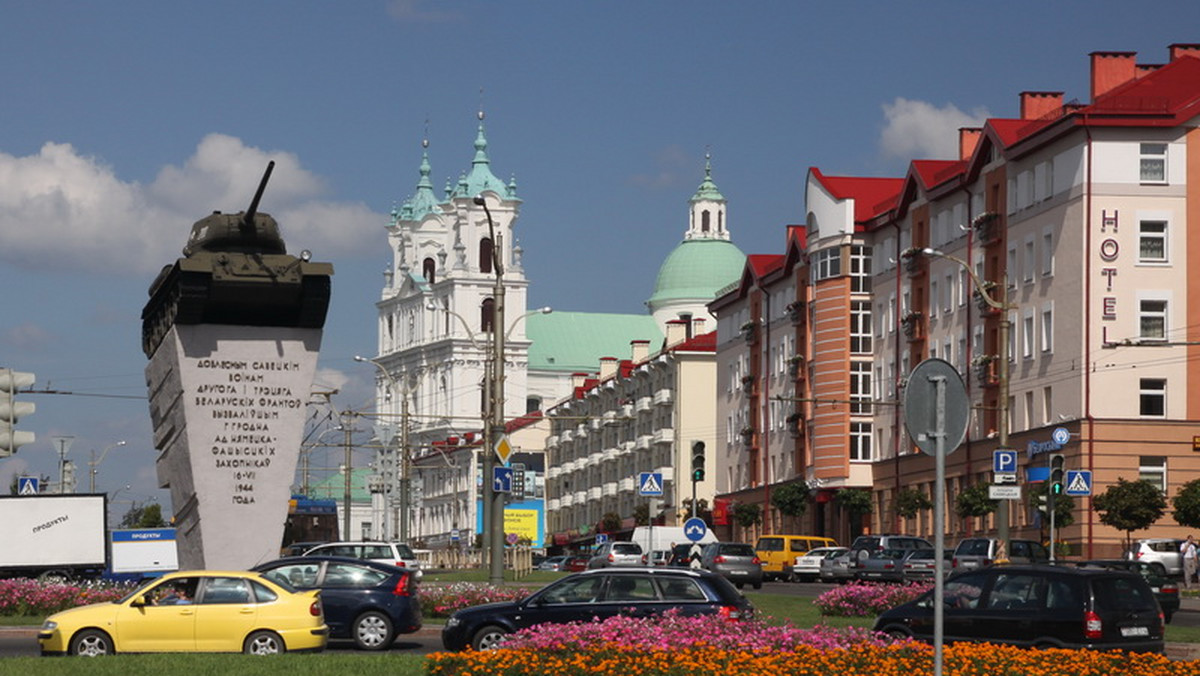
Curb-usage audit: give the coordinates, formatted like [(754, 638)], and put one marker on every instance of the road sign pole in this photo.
[(939, 536)]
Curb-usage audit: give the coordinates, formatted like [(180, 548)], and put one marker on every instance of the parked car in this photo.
[(1039, 606), (1162, 553), (298, 548), (681, 554), (837, 567), (864, 546), (612, 554), (599, 594), (778, 552), (807, 566), (1166, 591), (920, 564), (658, 557), (392, 553), (552, 563), (368, 602), (199, 610), (886, 565), (735, 561), (974, 553), (576, 564)]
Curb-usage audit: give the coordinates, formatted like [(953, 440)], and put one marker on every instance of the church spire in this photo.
[(707, 208)]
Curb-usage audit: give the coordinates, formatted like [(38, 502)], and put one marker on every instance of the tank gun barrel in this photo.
[(247, 224)]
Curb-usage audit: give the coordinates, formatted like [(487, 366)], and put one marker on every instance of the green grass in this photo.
[(324, 664)]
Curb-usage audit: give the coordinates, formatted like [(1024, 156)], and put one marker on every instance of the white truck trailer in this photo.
[(53, 536)]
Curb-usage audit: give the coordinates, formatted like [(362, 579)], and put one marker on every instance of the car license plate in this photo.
[(1135, 631), (738, 572)]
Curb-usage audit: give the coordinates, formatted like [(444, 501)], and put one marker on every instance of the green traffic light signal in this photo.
[(1057, 472)]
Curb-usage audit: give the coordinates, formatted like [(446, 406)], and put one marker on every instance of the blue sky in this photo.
[(123, 123)]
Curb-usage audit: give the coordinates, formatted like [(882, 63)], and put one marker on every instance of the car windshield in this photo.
[(972, 548), (1122, 594), (629, 548), (888, 554), (736, 550), (405, 552)]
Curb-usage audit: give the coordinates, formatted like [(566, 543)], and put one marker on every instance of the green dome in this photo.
[(697, 269)]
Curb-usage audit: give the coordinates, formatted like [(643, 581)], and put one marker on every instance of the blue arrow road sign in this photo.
[(502, 478), (1079, 482), (601, 538), (1004, 461), (694, 529), (650, 484)]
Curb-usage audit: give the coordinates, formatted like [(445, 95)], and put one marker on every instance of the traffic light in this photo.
[(12, 410), (1057, 472), (697, 461)]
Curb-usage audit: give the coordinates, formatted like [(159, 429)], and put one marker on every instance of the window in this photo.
[(1048, 329), (1030, 263), (1153, 468), (1152, 320), (826, 264), (1152, 242), (485, 255), (1047, 254), (1027, 336), (1029, 410), (860, 441), (1153, 400), (860, 269), (948, 293), (860, 388), (1047, 402), (487, 315), (428, 268), (1154, 163), (860, 327), (933, 298)]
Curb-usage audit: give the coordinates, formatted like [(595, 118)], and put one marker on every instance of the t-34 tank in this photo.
[(236, 270)]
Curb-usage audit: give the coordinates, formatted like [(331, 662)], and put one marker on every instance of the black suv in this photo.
[(1039, 607), (599, 594)]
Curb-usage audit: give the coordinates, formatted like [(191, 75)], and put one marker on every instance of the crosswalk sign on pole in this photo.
[(650, 483), (1079, 482), (27, 485)]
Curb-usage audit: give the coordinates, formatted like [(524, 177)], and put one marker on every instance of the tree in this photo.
[(974, 501), (701, 507), (910, 501), (747, 514), (1187, 504), (610, 522), (1130, 506), (853, 500), (1064, 506), (143, 516), (790, 499), (641, 514)]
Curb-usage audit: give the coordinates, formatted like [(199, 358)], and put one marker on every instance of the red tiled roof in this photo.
[(871, 195), (705, 342)]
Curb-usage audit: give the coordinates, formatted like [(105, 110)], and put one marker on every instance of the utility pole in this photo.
[(349, 470), (493, 500)]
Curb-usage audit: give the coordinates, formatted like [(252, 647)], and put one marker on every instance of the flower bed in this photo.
[(865, 599), (901, 659), (22, 596), (442, 601)]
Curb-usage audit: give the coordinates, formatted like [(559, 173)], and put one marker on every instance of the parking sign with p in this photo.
[(1004, 461)]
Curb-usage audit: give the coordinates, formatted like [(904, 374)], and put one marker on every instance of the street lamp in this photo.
[(95, 462), (402, 470), (1002, 374)]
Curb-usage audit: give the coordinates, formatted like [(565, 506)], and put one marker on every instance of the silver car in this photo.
[(613, 554), (735, 561), (1161, 553), (392, 553), (807, 566), (837, 567)]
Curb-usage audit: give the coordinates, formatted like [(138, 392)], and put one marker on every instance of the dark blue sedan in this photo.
[(366, 601)]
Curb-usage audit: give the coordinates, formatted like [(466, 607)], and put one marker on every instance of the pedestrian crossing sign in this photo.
[(1079, 482), (650, 484)]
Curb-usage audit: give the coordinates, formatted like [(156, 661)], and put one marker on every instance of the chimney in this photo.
[(676, 332), (1036, 105), (968, 138), (698, 326), (578, 380), (608, 367), (1111, 70), (639, 350), (1181, 49)]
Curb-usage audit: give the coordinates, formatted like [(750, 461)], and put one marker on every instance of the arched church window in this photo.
[(429, 268), (705, 217), (485, 255), (533, 404), (487, 315)]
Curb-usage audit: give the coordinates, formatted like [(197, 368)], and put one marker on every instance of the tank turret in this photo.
[(235, 269)]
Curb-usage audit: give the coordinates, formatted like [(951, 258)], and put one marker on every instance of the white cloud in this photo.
[(671, 164), (113, 227), (916, 130), (418, 11)]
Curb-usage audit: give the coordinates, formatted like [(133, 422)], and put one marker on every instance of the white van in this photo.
[(661, 538)]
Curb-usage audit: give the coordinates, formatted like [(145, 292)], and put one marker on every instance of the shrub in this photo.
[(443, 601), (22, 596), (865, 599)]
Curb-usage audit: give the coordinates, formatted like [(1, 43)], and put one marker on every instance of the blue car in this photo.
[(368, 602)]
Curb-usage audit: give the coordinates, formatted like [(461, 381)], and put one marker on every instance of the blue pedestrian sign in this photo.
[(502, 479), (27, 485), (694, 529), (650, 484), (1004, 461), (1079, 482)]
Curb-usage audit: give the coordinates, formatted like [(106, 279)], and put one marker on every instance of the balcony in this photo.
[(795, 425), (797, 367), (749, 331), (610, 488), (644, 404), (593, 460), (747, 435), (554, 504), (643, 442), (982, 296), (552, 442), (664, 397), (553, 472), (609, 418), (567, 500), (665, 435), (594, 493), (914, 261), (797, 311), (987, 227), (627, 484), (748, 383), (913, 325), (985, 367), (567, 436), (626, 411), (609, 454), (595, 423)]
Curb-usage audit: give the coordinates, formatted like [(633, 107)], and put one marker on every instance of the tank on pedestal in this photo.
[(232, 330)]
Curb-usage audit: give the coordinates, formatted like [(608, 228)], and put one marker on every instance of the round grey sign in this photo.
[(936, 404)]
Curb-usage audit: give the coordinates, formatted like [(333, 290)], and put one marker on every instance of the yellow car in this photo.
[(201, 611)]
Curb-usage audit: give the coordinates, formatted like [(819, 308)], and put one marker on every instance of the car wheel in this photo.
[(263, 643), (1167, 617), (488, 638), (1159, 569), (372, 631), (91, 643), (739, 585), (897, 633), (758, 585)]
